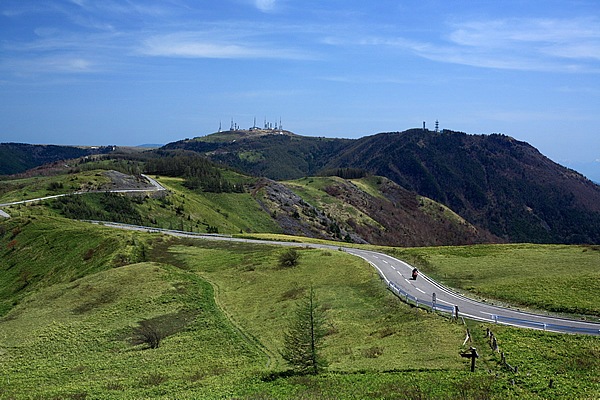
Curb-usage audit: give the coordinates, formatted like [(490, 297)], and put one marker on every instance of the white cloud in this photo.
[(66, 64), (177, 46), (530, 44)]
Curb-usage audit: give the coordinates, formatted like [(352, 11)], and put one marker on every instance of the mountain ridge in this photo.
[(494, 181)]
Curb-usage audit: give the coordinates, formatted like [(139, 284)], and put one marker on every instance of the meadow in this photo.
[(67, 330)]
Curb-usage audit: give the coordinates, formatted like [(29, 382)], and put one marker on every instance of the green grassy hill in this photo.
[(76, 297), (364, 210), (77, 300)]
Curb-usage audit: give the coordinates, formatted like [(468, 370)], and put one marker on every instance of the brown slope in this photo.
[(394, 216)]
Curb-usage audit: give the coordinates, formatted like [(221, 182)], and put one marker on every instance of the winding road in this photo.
[(423, 292), (396, 274)]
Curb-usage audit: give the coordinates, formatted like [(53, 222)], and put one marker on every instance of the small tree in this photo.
[(289, 258), (304, 339)]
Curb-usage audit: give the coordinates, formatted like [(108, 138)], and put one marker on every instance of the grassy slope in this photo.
[(312, 190), (55, 347), (69, 337), (183, 209), (40, 186), (369, 328), (38, 252), (549, 277), (230, 212)]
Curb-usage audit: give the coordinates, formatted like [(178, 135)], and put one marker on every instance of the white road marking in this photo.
[(419, 290)]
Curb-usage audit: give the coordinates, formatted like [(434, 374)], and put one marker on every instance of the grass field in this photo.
[(369, 328), (67, 332)]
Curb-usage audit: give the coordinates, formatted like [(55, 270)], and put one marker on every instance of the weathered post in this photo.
[(472, 354), (433, 302)]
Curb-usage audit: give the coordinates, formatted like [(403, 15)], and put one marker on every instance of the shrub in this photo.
[(147, 333), (289, 258)]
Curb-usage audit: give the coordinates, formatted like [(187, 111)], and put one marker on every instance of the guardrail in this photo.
[(497, 319), (500, 319), (410, 299), (151, 229)]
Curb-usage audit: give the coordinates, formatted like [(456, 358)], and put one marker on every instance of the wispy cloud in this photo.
[(559, 45), (63, 64), (201, 45)]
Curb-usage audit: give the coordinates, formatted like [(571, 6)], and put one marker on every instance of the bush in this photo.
[(147, 333), (289, 258)]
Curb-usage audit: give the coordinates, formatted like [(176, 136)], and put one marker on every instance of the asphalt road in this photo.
[(396, 274)]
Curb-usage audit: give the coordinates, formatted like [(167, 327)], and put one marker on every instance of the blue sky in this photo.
[(140, 71)]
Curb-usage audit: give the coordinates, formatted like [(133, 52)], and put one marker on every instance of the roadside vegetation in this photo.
[(18, 189)]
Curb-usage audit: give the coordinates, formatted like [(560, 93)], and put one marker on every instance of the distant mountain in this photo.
[(19, 157), (495, 182), (266, 153)]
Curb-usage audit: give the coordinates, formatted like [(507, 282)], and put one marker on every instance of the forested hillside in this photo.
[(274, 156), (495, 182)]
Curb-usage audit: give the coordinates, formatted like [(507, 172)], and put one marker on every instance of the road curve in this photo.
[(156, 187), (423, 291)]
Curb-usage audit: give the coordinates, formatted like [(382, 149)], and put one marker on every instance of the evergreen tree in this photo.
[(304, 339)]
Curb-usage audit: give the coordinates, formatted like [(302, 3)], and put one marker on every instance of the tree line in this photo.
[(199, 173)]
